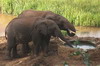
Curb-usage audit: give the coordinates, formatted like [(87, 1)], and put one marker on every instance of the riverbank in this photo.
[(59, 54)]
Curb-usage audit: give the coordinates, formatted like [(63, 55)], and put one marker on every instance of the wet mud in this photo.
[(58, 54)]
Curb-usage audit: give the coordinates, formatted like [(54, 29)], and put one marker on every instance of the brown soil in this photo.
[(58, 54)]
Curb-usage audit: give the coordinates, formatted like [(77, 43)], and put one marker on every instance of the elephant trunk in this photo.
[(60, 35)]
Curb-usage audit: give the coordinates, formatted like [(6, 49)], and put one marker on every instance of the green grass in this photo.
[(78, 12)]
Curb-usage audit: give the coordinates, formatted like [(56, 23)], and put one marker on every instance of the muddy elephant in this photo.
[(36, 29), (62, 22)]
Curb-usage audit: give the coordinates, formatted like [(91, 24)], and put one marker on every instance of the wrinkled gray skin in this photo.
[(24, 30)]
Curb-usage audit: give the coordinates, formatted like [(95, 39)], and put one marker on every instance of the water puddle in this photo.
[(85, 45)]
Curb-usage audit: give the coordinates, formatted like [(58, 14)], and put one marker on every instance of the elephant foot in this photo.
[(16, 56), (34, 56), (26, 53), (26, 49), (44, 54), (8, 58)]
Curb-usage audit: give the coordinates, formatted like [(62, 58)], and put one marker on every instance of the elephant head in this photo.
[(63, 23)]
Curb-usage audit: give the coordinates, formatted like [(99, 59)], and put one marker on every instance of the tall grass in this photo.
[(78, 12)]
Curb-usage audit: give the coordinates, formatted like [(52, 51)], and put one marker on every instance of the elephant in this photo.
[(62, 22), (36, 29)]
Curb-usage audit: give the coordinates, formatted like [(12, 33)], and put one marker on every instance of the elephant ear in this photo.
[(51, 16), (43, 28)]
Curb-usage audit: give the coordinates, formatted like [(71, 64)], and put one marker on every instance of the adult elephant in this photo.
[(62, 22), (36, 29)]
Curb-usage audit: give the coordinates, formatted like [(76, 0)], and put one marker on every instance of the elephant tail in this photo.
[(5, 34)]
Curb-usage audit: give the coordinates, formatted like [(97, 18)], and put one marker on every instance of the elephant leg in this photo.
[(44, 48), (14, 52), (28, 49), (45, 45), (25, 49), (36, 48), (10, 46)]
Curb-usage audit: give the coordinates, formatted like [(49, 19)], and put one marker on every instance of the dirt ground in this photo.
[(58, 55)]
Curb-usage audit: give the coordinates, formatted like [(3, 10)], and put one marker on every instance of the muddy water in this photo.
[(82, 31), (4, 20), (85, 45), (88, 32)]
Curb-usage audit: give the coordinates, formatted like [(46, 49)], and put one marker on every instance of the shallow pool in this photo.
[(85, 45)]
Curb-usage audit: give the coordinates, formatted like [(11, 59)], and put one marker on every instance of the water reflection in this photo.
[(82, 31)]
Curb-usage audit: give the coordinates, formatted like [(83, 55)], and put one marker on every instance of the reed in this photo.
[(78, 12)]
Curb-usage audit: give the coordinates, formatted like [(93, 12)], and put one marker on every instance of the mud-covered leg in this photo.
[(14, 52), (26, 49), (36, 48), (10, 46), (8, 53), (44, 48), (34, 51), (45, 45)]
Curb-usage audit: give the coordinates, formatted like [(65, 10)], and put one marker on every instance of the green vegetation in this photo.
[(78, 12), (64, 33)]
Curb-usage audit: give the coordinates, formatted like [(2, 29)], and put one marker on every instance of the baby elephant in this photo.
[(36, 29)]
